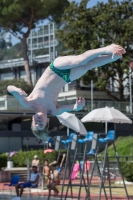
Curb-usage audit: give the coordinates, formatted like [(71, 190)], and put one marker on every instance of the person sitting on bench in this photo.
[(33, 182)]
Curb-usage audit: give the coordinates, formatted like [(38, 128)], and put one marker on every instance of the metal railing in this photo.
[(20, 61), (122, 106), (40, 33), (42, 44), (10, 103)]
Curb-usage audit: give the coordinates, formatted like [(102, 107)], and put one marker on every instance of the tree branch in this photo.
[(115, 79), (127, 77), (108, 93), (15, 35), (24, 21)]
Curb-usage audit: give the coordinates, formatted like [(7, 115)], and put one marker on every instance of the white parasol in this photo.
[(106, 115), (71, 121)]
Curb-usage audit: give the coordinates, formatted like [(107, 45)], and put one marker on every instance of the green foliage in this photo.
[(19, 17), (29, 13), (12, 53), (18, 83), (127, 170), (3, 161), (77, 31), (19, 159), (124, 146), (88, 28)]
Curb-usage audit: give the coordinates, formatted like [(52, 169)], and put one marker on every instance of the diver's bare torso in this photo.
[(45, 93)]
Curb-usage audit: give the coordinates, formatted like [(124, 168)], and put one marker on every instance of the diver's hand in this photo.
[(80, 103)]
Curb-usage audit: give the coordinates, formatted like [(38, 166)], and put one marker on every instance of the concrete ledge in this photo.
[(16, 169)]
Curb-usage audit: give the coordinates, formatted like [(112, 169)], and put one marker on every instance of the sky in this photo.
[(90, 4)]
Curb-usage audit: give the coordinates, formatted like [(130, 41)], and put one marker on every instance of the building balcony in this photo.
[(40, 45), (39, 33), (20, 61)]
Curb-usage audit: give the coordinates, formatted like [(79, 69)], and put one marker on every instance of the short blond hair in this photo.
[(40, 134)]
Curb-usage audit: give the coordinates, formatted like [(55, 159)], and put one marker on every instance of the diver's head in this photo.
[(39, 121), (39, 125)]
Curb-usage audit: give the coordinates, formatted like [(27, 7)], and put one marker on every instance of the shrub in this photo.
[(3, 161), (18, 83), (127, 169), (19, 159)]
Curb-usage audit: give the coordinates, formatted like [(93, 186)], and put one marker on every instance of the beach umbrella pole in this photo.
[(106, 127), (68, 131)]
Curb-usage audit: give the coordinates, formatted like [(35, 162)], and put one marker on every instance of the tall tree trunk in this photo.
[(26, 60), (121, 90)]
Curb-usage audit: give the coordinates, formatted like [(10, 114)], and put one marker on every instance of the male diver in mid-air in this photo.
[(65, 69)]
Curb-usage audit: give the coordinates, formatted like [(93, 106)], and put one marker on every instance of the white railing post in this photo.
[(28, 169)]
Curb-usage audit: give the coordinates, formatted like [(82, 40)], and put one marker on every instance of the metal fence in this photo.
[(10, 103)]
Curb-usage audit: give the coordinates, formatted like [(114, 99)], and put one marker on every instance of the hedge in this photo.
[(3, 161), (19, 159), (127, 169)]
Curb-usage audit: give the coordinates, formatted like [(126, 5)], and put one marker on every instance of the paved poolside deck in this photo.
[(43, 194)]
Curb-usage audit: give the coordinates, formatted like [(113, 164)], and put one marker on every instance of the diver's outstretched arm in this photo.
[(19, 94), (80, 103)]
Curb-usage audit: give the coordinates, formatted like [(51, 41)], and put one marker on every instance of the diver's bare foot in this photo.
[(114, 48), (14, 90)]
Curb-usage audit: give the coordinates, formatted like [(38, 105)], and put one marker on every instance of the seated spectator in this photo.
[(34, 179), (56, 172), (36, 162), (46, 171)]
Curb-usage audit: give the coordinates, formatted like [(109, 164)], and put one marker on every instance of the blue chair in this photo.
[(88, 138), (69, 140), (110, 137), (50, 140), (91, 152), (50, 143), (14, 181)]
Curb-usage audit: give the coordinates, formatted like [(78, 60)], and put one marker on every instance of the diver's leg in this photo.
[(69, 62), (77, 72)]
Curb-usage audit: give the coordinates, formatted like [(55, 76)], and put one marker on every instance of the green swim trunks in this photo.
[(64, 74)]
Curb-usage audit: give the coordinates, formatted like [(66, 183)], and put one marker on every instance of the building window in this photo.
[(2, 104), (66, 87)]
